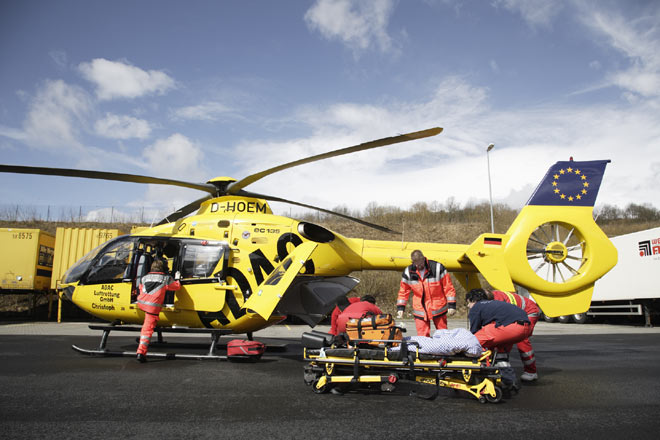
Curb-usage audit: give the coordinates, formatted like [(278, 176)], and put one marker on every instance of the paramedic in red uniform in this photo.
[(153, 287), (342, 303), (525, 348), (434, 297), (498, 324), (366, 305)]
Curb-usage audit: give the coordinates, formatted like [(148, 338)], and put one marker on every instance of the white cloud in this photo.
[(638, 40), (55, 115), (453, 164), (359, 24), (114, 79), (122, 127), (207, 111), (536, 13), (177, 156), (59, 58)]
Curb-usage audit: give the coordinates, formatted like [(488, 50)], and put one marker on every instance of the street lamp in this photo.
[(490, 191)]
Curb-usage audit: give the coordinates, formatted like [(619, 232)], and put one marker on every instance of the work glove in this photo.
[(451, 312), (177, 275), (399, 314)]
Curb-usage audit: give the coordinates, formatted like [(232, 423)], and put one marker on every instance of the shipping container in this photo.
[(26, 259)]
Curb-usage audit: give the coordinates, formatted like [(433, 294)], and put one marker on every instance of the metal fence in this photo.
[(82, 213)]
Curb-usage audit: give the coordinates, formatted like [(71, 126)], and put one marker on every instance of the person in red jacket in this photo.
[(525, 348), (153, 287), (342, 303), (366, 305), (434, 297)]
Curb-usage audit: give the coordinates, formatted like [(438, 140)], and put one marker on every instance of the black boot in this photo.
[(141, 358)]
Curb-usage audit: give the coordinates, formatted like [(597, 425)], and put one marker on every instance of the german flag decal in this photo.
[(492, 241)]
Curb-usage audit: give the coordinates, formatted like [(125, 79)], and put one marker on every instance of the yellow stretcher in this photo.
[(352, 366)]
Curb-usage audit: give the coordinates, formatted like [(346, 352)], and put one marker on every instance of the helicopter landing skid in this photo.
[(103, 351)]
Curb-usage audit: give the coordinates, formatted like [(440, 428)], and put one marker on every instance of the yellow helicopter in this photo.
[(242, 268)]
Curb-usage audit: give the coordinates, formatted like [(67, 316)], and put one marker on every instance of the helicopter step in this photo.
[(103, 351)]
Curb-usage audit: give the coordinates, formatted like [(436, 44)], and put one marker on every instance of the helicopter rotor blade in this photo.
[(103, 175), (235, 187), (184, 211), (327, 211)]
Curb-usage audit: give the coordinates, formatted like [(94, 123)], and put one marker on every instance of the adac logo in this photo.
[(649, 247), (570, 184)]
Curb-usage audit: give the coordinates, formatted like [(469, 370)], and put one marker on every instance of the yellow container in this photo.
[(71, 244), (26, 259)]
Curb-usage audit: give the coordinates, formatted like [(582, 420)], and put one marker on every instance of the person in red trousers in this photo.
[(498, 325), (434, 296), (525, 348), (153, 287)]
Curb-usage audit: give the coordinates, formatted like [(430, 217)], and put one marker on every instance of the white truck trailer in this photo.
[(631, 287)]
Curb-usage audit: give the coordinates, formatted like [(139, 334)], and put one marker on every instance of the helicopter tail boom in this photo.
[(554, 248)]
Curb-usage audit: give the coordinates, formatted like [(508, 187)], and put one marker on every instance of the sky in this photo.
[(198, 89)]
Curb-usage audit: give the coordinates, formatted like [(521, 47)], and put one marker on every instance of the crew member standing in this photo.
[(153, 287), (525, 348), (434, 297)]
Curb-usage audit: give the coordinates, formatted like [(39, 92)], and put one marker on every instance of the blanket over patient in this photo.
[(445, 343)]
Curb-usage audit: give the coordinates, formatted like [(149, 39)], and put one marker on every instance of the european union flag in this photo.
[(570, 183)]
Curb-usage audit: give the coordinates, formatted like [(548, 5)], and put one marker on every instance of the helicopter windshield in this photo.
[(111, 265)]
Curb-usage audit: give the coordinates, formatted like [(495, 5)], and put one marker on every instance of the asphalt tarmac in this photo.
[(596, 384)]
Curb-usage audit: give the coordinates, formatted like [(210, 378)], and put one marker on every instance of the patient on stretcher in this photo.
[(445, 343)]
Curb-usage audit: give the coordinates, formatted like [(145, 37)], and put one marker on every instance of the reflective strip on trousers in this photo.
[(146, 303)]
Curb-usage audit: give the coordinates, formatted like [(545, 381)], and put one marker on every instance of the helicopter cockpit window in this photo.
[(79, 268), (114, 263), (201, 259)]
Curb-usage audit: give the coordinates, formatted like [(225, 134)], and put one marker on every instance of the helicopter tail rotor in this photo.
[(554, 248)]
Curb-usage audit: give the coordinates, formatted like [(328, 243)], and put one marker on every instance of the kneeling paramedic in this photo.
[(153, 287), (357, 310), (525, 346), (498, 324)]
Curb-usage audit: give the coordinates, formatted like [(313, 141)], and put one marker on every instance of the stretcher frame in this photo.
[(354, 366)]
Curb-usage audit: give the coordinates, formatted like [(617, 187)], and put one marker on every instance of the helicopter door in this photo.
[(147, 251), (272, 290), (201, 265)]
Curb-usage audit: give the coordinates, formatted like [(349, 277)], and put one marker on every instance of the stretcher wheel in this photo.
[(320, 390), (496, 399)]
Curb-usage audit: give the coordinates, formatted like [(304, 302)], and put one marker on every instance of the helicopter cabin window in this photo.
[(200, 259), (114, 264)]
